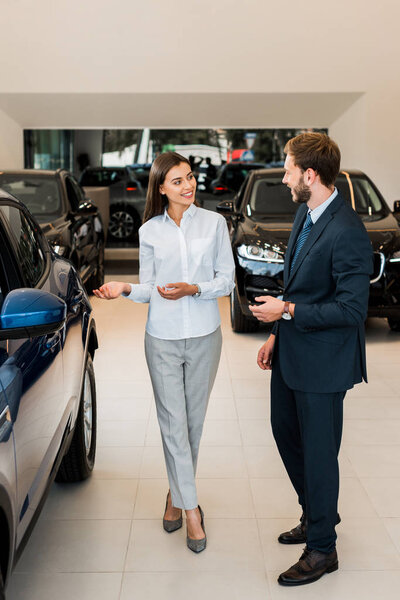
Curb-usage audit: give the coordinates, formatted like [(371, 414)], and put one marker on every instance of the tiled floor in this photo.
[(103, 539)]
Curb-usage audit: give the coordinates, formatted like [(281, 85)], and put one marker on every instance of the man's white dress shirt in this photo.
[(317, 212), (199, 251)]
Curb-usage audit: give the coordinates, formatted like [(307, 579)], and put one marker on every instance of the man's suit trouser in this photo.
[(308, 428), (182, 374)]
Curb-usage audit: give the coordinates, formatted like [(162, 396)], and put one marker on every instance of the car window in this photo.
[(40, 193), (25, 243), (235, 175), (366, 197), (102, 177), (74, 192)]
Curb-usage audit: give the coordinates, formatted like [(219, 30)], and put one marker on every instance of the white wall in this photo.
[(11, 143)]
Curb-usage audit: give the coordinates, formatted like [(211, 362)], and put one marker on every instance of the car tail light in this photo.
[(131, 189), (221, 188)]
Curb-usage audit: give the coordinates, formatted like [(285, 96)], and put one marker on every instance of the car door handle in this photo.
[(53, 341), (77, 298)]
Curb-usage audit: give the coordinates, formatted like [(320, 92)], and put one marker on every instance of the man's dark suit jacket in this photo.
[(323, 348)]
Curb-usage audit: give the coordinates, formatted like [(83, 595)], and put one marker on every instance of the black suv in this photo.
[(260, 220), (231, 176), (127, 199), (70, 221)]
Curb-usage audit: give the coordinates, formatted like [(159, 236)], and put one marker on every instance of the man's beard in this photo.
[(301, 192)]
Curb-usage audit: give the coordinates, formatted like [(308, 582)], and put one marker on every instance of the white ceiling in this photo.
[(176, 110)]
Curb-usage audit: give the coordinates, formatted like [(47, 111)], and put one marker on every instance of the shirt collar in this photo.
[(317, 212), (189, 213)]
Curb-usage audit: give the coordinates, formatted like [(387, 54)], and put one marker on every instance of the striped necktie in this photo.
[(303, 235)]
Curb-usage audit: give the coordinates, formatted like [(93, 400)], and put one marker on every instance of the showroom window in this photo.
[(48, 149)]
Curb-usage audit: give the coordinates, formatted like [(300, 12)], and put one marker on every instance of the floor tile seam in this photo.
[(101, 478), (361, 481), (125, 558), (203, 478), (156, 519), (87, 519), (100, 445), (397, 478), (230, 381), (197, 571), (143, 447), (368, 419), (383, 445), (341, 570), (379, 419), (126, 397), (374, 444), (69, 572)]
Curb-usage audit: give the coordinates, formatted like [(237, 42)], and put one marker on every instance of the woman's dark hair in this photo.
[(317, 151), (155, 201)]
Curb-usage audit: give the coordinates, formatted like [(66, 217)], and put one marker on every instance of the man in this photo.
[(317, 346)]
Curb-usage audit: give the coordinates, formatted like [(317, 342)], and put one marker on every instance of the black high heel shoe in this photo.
[(171, 526), (197, 545)]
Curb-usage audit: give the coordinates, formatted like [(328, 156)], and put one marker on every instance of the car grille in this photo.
[(262, 282), (379, 266)]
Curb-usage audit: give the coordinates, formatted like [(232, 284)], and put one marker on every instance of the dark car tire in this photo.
[(394, 324), (78, 463), (124, 223), (2, 594), (240, 323)]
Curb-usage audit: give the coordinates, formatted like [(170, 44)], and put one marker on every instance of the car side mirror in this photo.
[(226, 208), (30, 312), (396, 206)]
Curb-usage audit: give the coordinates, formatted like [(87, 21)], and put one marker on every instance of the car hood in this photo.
[(384, 233), (275, 233)]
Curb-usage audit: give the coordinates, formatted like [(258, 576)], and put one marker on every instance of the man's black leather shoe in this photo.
[(298, 535), (310, 567)]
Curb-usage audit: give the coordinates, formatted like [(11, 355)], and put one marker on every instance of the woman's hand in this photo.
[(174, 291), (264, 356), (112, 290)]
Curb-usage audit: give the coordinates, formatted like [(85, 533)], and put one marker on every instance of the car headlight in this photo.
[(60, 250), (395, 258), (253, 252)]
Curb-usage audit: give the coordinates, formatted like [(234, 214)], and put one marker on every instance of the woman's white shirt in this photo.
[(199, 251)]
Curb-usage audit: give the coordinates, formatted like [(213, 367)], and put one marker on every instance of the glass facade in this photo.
[(49, 149)]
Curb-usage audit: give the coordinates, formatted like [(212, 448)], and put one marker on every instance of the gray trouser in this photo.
[(182, 373)]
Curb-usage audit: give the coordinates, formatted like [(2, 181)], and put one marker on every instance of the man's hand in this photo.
[(264, 355), (271, 309), (175, 291), (112, 290)]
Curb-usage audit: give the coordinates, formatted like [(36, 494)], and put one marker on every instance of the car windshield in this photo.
[(40, 193), (271, 199), (102, 177)]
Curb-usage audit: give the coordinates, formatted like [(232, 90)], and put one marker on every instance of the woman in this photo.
[(186, 263)]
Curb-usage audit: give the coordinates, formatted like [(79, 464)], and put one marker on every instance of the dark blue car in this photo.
[(47, 386)]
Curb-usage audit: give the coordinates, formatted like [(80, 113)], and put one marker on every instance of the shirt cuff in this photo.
[(131, 294)]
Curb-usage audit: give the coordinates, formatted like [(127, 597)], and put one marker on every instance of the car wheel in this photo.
[(2, 594), (239, 322), (124, 223), (78, 463), (394, 324)]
